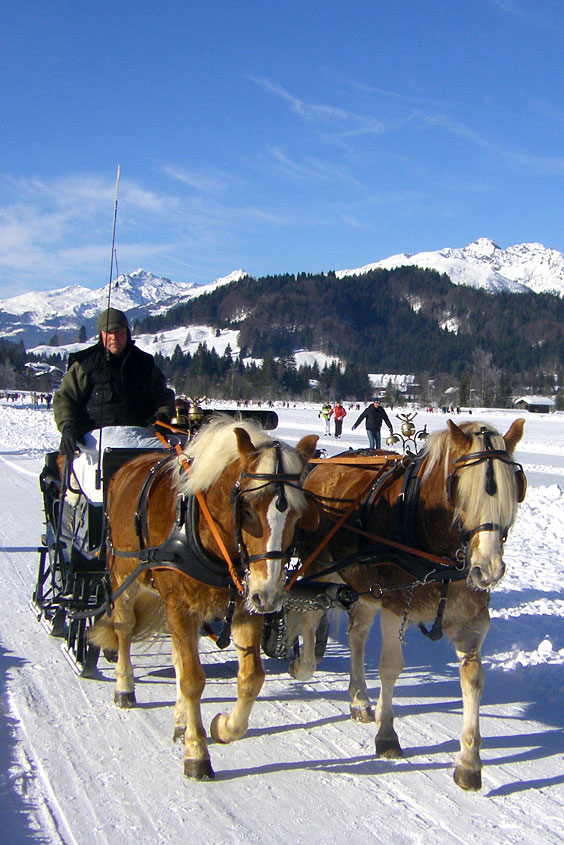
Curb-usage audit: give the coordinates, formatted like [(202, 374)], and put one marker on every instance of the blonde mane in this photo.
[(471, 497), (215, 447)]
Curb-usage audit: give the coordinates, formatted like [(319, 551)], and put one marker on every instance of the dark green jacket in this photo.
[(100, 389)]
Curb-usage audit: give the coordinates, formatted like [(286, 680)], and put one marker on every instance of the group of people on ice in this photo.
[(373, 415)]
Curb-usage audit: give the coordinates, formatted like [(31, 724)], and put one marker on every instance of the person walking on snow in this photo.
[(325, 416), (374, 415), (339, 413)]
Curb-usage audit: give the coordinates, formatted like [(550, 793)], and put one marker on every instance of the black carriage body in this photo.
[(72, 582)]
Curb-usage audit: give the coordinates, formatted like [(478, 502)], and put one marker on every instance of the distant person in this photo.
[(110, 384), (325, 416), (374, 415), (339, 414)]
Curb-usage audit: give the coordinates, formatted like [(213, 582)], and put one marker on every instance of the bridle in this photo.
[(488, 455), (279, 478)]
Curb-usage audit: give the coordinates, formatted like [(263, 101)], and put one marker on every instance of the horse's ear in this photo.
[(514, 435), (306, 446), (461, 439), (310, 519), (244, 443)]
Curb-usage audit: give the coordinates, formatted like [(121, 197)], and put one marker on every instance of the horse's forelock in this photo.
[(471, 497), (292, 465), (215, 447)]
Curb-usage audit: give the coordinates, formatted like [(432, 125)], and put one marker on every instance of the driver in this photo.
[(112, 383)]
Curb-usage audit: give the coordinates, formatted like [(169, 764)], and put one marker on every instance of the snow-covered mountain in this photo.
[(35, 317), (483, 264)]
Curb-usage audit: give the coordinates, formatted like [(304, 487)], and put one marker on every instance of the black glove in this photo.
[(68, 441), (160, 416)]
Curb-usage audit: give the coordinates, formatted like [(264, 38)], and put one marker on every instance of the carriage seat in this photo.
[(121, 437)]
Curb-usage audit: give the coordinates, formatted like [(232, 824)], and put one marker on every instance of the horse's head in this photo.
[(484, 486), (268, 503), (253, 486)]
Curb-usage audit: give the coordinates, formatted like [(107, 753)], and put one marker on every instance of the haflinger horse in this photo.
[(250, 487), (449, 522)]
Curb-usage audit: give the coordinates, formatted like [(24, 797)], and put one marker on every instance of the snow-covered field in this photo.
[(74, 769)]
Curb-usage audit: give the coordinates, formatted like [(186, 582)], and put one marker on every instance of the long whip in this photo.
[(99, 468)]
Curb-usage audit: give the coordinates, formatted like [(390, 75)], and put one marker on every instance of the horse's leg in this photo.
[(467, 640), (123, 618), (180, 714), (190, 683), (360, 623), (247, 630), (304, 666), (391, 666)]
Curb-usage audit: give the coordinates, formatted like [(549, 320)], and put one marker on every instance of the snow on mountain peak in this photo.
[(484, 264), (34, 317)]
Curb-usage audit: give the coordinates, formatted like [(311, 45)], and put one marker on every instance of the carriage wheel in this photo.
[(49, 588), (82, 655), (274, 635), (274, 643), (321, 637)]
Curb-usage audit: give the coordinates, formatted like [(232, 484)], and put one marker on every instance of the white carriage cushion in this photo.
[(85, 466)]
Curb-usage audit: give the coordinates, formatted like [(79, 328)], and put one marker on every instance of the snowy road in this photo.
[(76, 769)]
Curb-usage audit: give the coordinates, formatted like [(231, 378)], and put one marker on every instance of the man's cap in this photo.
[(111, 320)]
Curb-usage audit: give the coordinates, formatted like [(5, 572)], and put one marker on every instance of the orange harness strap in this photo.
[(343, 518)]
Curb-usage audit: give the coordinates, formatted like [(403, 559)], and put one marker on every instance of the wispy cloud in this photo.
[(310, 169), (208, 183), (44, 217), (345, 121), (341, 126)]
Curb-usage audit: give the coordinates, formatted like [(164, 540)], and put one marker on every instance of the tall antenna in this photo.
[(113, 237), (99, 467)]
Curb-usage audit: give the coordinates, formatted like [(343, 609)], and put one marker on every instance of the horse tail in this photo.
[(150, 616), (150, 620)]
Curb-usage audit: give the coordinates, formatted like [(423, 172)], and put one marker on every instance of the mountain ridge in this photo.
[(483, 264), (36, 317)]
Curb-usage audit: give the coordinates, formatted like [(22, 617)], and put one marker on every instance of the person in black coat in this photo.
[(374, 415), (111, 383)]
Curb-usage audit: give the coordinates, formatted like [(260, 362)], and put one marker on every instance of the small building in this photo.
[(535, 404)]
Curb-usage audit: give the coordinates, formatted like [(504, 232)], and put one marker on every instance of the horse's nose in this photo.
[(483, 579), (263, 602), (258, 601)]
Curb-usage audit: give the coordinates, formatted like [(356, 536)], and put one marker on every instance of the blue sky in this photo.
[(273, 136)]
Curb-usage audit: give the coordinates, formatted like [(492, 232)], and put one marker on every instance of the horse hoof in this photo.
[(362, 714), (215, 729), (125, 700), (179, 732), (390, 749), (466, 779), (299, 672), (111, 655), (198, 770)]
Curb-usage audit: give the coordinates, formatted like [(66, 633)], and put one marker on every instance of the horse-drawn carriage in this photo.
[(419, 537), (72, 586)]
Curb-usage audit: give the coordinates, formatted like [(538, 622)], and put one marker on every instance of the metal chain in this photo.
[(405, 620)]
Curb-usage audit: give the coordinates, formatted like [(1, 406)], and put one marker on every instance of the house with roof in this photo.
[(535, 404)]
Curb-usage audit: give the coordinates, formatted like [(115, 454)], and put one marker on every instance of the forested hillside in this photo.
[(404, 320), (409, 320)]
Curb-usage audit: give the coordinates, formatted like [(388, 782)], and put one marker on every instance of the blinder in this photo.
[(488, 454)]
